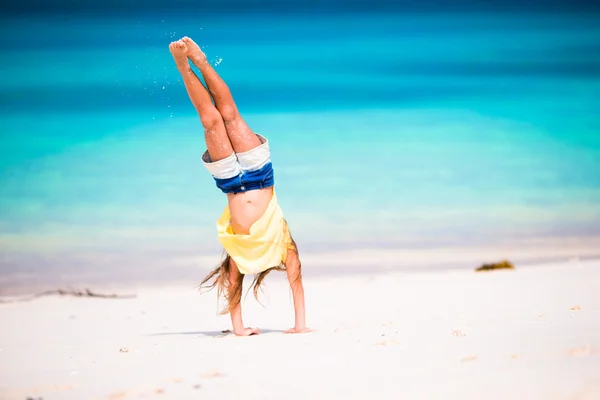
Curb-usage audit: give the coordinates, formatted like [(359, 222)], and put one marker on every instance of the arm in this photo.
[(234, 297), (295, 279)]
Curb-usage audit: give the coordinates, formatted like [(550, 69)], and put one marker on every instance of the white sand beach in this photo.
[(531, 333)]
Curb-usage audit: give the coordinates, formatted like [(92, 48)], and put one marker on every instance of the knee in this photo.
[(210, 118), (229, 113)]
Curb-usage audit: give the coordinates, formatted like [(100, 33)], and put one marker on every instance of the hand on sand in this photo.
[(179, 51), (194, 52), (247, 332), (299, 330)]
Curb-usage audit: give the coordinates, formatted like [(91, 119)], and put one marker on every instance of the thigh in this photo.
[(217, 141), (240, 135)]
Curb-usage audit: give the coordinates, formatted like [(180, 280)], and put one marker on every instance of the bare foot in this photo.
[(179, 51), (194, 52), (247, 332)]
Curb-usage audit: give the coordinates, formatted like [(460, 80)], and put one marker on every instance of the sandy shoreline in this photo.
[(99, 270), (531, 333)]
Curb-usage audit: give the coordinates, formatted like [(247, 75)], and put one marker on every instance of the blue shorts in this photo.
[(245, 171)]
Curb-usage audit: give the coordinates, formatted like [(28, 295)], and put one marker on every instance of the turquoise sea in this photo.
[(388, 131)]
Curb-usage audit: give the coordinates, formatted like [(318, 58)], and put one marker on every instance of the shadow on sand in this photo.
[(215, 334)]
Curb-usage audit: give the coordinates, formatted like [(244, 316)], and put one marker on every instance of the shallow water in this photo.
[(387, 130)]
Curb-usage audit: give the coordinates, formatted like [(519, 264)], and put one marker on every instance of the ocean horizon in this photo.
[(399, 140)]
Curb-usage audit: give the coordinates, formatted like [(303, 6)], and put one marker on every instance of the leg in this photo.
[(241, 136), (234, 297), (215, 134)]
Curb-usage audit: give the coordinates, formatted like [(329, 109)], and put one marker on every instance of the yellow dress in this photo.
[(264, 247)]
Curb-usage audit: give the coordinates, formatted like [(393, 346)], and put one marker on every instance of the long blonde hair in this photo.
[(233, 294)]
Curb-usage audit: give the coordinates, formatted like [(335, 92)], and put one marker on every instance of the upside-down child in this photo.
[(252, 228)]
